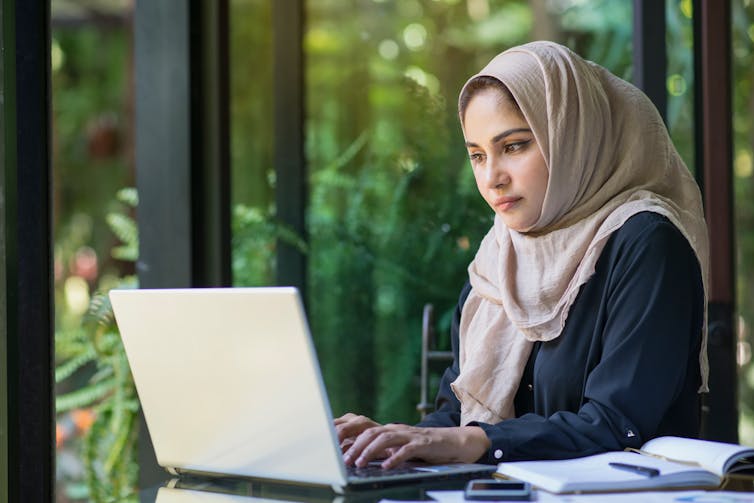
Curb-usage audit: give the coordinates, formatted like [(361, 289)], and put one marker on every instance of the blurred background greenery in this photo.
[(393, 215)]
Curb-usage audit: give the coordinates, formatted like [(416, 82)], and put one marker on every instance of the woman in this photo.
[(582, 327)]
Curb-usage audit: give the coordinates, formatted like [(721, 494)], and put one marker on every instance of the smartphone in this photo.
[(496, 489)]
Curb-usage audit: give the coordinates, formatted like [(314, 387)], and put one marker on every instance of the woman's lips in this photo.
[(506, 203)]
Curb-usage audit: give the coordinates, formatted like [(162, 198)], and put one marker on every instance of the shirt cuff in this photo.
[(499, 445)]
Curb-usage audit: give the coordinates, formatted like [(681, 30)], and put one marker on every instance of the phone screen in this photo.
[(501, 490), (493, 485)]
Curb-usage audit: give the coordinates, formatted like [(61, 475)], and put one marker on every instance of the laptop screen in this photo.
[(229, 382)]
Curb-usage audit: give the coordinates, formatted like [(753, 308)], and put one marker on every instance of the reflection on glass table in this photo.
[(191, 489), (195, 489)]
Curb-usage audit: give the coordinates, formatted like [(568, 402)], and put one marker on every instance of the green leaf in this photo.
[(129, 196), (124, 227), (67, 368), (123, 433), (129, 253), (83, 397)]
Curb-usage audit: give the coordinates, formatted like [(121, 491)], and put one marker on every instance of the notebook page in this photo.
[(593, 473), (716, 457)]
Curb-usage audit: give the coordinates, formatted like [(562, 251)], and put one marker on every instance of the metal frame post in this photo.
[(714, 140), (291, 187), (27, 411)]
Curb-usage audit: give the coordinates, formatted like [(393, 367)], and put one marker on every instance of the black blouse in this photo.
[(625, 368)]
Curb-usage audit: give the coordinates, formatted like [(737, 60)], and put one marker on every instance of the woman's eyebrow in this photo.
[(502, 136), (509, 132)]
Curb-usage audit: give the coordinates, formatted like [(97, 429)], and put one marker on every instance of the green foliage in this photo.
[(125, 228), (92, 356), (255, 233), (743, 193), (394, 216), (89, 115)]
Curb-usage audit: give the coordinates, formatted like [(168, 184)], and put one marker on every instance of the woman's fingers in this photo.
[(345, 418), (399, 456), (345, 444), (351, 425), (378, 442), (398, 443)]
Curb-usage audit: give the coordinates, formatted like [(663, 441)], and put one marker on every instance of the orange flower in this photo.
[(83, 419), (59, 435)]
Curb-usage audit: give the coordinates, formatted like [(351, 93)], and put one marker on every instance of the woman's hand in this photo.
[(399, 443), (349, 426)]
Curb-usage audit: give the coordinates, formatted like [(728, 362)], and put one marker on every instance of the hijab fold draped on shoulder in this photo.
[(609, 157)]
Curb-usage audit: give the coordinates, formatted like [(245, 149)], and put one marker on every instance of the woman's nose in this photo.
[(497, 175)]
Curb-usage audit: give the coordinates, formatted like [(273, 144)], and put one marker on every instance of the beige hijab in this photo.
[(609, 157)]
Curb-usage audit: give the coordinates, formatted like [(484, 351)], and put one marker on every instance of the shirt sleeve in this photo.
[(653, 301)]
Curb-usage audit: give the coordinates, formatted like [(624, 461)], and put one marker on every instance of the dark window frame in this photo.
[(27, 397)]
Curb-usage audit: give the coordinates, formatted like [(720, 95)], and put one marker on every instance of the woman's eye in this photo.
[(475, 158), (515, 147)]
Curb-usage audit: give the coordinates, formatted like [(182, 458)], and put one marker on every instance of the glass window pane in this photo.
[(95, 247), (743, 208), (680, 78), (394, 214), (252, 168)]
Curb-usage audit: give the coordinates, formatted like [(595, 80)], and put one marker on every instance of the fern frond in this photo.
[(109, 445), (83, 397), (104, 372), (67, 368), (70, 343), (109, 343), (124, 227), (125, 469), (126, 253), (350, 153), (129, 196), (100, 311), (289, 236), (118, 412), (94, 475), (122, 434)]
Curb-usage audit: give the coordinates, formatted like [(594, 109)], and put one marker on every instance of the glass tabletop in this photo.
[(196, 489)]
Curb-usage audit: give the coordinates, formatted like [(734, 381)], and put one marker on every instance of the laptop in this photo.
[(230, 385)]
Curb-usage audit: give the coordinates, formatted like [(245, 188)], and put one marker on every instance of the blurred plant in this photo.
[(107, 396), (391, 220), (255, 232), (393, 213), (743, 186)]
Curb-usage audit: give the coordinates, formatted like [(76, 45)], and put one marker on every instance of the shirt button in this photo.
[(498, 454), (530, 386)]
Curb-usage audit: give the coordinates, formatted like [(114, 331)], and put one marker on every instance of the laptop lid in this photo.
[(229, 382)]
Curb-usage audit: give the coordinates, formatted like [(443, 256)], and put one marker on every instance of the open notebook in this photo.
[(229, 383), (664, 462)]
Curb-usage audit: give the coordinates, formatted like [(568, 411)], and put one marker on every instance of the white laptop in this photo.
[(230, 384)]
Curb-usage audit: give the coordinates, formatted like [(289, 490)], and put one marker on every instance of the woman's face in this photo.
[(510, 172)]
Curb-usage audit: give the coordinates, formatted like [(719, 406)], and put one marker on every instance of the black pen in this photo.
[(641, 470)]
